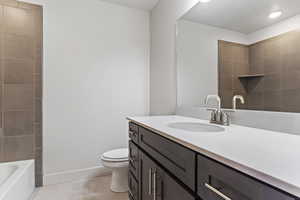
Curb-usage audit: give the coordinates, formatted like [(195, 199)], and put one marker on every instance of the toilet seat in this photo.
[(117, 161), (117, 155)]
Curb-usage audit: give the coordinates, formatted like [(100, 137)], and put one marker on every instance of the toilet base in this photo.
[(119, 180)]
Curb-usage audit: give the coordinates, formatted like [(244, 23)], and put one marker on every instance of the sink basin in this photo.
[(196, 127)]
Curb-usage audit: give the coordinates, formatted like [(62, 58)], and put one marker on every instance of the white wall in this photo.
[(96, 68), (163, 67), (197, 60)]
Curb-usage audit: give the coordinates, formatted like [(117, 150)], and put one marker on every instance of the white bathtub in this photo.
[(17, 180)]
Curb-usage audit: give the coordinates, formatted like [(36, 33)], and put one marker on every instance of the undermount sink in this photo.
[(196, 127)]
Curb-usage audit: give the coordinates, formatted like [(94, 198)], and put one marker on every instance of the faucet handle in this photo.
[(213, 115), (225, 119), (213, 96)]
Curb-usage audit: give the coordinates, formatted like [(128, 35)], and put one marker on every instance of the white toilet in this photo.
[(117, 160)]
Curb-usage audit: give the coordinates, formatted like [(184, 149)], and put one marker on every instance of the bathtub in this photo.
[(17, 180)]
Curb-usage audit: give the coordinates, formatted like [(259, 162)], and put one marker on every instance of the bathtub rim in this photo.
[(13, 179)]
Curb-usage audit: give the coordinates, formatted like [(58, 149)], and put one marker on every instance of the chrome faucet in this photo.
[(218, 116), (237, 97)]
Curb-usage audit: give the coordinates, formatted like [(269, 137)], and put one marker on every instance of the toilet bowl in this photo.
[(117, 160)]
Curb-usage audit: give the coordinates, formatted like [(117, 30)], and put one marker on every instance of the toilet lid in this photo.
[(118, 154)]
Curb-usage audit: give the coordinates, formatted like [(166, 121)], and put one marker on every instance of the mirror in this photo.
[(248, 48)]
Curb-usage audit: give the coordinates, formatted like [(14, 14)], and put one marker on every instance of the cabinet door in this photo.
[(169, 189), (158, 185), (147, 167), (133, 186), (134, 159)]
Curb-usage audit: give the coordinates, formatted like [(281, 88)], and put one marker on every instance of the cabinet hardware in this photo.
[(217, 192), (150, 182), (154, 184), (132, 158), (131, 133), (131, 161)]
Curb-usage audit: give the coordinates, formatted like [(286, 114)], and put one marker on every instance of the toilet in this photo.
[(117, 160)]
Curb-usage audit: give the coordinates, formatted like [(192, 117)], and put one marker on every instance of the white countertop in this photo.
[(269, 156)]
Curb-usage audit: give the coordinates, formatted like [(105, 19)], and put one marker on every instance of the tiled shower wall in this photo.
[(233, 61), (278, 59), (21, 35)]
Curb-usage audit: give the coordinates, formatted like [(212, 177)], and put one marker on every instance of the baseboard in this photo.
[(73, 175)]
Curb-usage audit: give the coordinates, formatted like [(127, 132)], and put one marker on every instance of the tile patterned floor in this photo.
[(97, 189)]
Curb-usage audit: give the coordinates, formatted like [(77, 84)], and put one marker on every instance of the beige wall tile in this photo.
[(257, 66), (1, 18), (272, 101), (18, 21), (240, 68), (18, 47), (256, 101), (19, 148), (226, 98), (18, 96), (18, 71), (291, 80), (226, 67), (290, 100), (272, 82), (18, 123)]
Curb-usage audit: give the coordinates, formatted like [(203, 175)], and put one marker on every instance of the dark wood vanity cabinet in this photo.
[(161, 169), (149, 156)]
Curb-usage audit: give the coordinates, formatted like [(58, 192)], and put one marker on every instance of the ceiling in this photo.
[(140, 4), (245, 16)]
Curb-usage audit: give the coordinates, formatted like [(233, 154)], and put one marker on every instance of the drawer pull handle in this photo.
[(154, 185), (217, 192), (132, 134), (131, 161), (150, 182)]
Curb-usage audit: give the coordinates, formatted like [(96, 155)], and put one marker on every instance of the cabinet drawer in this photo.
[(134, 159), (177, 159), (133, 132), (215, 180), (133, 186)]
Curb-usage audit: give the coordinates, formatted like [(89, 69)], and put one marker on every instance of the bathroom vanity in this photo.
[(169, 163)]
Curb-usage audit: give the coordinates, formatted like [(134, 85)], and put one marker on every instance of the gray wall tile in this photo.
[(277, 58)]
